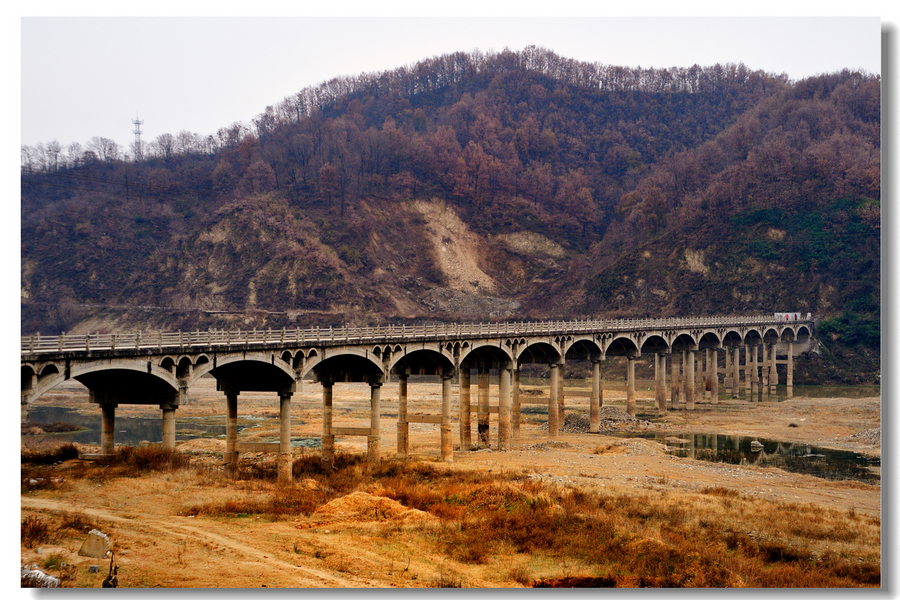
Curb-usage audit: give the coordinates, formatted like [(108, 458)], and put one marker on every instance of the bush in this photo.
[(34, 531)]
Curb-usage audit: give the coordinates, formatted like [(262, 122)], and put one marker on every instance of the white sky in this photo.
[(91, 76)]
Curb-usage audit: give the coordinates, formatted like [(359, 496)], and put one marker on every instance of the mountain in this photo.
[(511, 185)]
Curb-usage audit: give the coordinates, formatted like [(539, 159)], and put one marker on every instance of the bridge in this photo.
[(158, 369)]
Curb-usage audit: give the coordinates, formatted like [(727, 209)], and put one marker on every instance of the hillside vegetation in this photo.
[(511, 185)]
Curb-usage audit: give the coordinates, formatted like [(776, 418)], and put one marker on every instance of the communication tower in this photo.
[(138, 152)]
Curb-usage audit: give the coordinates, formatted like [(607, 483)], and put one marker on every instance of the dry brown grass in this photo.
[(515, 531)]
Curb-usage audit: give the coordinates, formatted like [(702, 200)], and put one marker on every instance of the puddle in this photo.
[(790, 456)]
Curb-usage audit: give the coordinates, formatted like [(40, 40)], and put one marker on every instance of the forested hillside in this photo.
[(512, 185)]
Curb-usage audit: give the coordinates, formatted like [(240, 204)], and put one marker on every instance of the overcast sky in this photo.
[(91, 76)]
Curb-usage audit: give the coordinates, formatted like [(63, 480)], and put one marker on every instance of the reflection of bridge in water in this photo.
[(159, 368)]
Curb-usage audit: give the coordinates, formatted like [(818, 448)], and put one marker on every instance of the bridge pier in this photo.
[(660, 362), (630, 404), (596, 396), (446, 426), (561, 394), (107, 428), (327, 424), (676, 384), (516, 402), (465, 409), (754, 372), (748, 383), (764, 381), (736, 378), (790, 370), (714, 373), (553, 407), (402, 423), (505, 401), (285, 455), (168, 426), (729, 376), (689, 388), (231, 453), (373, 454), (773, 372), (484, 415)]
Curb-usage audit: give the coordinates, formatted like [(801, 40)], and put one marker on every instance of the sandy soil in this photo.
[(158, 546)]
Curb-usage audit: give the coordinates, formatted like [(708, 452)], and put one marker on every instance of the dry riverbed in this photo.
[(158, 544)]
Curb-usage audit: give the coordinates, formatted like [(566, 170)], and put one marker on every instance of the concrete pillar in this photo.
[(754, 372), (595, 396), (676, 384), (764, 382), (327, 431), (24, 414), (231, 454), (561, 395), (107, 428), (748, 384), (505, 402), (661, 400), (465, 409), (707, 373), (285, 456), (516, 402), (714, 373), (689, 388), (484, 415), (446, 427), (790, 370), (656, 387), (736, 381), (168, 426), (374, 449), (402, 424), (630, 404), (729, 378), (552, 409), (773, 371)]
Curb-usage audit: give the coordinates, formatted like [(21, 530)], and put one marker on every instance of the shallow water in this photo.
[(790, 456), (134, 430)]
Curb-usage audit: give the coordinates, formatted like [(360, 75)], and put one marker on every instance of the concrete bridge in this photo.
[(158, 368)]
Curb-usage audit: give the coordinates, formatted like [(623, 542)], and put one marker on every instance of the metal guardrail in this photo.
[(141, 340)]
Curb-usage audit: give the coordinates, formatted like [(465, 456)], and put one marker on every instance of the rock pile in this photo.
[(869, 436)]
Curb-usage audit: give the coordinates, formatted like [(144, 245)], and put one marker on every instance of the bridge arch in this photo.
[(622, 345), (709, 340), (539, 352), (655, 344), (348, 364), (484, 354), (422, 361), (248, 371)]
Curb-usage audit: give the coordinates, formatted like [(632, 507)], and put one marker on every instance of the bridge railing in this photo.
[(142, 340)]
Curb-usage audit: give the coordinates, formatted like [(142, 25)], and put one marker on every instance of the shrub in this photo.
[(34, 531), (49, 456)]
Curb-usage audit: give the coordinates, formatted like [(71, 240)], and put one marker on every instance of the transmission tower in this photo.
[(138, 153)]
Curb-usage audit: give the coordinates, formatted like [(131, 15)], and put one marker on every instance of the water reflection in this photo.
[(790, 456), (129, 430)]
